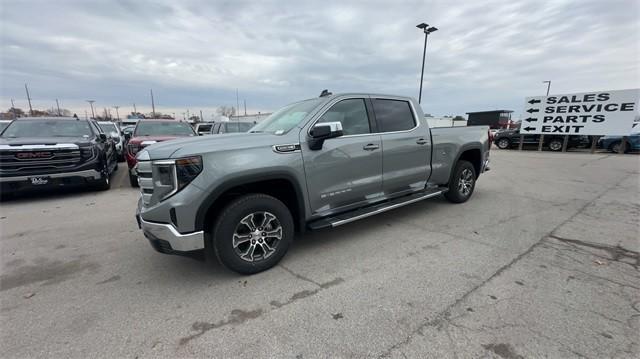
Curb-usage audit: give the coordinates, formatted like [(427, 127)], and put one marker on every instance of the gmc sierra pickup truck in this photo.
[(314, 164), (55, 151)]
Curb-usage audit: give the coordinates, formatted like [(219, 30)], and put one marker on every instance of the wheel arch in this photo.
[(471, 153), (280, 185)]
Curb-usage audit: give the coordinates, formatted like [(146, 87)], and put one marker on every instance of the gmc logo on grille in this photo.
[(30, 155)]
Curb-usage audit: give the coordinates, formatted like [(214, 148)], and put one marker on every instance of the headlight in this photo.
[(86, 152), (171, 176), (133, 148)]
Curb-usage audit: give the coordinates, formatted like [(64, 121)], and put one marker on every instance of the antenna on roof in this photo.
[(325, 93)]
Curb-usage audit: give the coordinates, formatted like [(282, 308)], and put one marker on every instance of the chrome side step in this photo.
[(365, 212)]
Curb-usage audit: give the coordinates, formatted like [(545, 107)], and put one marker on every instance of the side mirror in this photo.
[(102, 137), (323, 131)]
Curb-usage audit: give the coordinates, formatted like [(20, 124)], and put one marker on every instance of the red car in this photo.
[(148, 132)]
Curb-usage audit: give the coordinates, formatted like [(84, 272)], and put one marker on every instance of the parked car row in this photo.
[(505, 139), (216, 128)]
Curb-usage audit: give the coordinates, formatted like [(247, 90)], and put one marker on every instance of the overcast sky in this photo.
[(194, 54)]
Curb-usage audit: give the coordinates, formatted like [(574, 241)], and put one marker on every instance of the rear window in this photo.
[(163, 128), (393, 115)]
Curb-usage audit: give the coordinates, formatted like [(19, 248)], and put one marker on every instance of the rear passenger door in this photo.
[(406, 146)]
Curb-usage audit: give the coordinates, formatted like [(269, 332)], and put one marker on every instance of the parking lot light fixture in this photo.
[(427, 30)]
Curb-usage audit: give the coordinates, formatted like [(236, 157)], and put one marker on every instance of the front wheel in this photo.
[(133, 180), (252, 233), (503, 143), (462, 183), (104, 183), (615, 147)]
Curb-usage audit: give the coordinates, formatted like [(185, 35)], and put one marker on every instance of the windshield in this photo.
[(3, 125), (108, 128), (48, 128), (286, 118), (163, 128)]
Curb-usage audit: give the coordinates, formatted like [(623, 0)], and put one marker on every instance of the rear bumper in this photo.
[(166, 239)]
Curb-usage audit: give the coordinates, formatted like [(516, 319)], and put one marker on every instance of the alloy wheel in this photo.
[(465, 182), (257, 236)]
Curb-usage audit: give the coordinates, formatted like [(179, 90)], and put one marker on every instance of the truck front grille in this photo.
[(21, 159), (145, 180)]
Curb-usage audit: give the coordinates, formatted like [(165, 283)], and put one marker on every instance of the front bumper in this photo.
[(166, 239), (87, 174)]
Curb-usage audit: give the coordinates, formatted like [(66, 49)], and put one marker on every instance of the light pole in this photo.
[(117, 113), (93, 114), (548, 86), (427, 30)]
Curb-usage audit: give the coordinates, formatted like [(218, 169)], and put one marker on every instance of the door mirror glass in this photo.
[(102, 137)]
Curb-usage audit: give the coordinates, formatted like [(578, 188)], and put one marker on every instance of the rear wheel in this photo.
[(503, 143), (252, 233), (462, 183), (555, 144)]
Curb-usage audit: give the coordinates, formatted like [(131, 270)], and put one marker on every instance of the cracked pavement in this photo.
[(541, 262)]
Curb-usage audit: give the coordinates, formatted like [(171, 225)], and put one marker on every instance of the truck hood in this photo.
[(203, 144), (19, 141)]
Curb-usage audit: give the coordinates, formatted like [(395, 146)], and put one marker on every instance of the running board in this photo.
[(372, 210)]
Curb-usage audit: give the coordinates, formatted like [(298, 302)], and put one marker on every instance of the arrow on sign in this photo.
[(532, 101), (532, 110), (529, 128), (531, 119)]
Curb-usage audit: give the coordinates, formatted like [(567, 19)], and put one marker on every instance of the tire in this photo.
[(133, 180), (615, 147), (503, 143), (104, 183), (462, 183), (555, 145), (251, 252)]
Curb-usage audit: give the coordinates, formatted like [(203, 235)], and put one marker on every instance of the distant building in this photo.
[(494, 119)]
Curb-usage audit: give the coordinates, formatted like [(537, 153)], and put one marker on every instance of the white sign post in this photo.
[(608, 113)]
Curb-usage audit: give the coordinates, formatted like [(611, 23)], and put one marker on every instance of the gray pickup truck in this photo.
[(314, 164)]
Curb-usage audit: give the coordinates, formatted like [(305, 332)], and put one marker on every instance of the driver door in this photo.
[(347, 171)]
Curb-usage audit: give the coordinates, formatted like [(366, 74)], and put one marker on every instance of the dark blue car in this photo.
[(612, 143)]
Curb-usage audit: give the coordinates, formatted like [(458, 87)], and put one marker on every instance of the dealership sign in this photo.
[(587, 113)]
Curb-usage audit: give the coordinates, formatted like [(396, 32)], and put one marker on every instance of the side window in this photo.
[(215, 128), (393, 115), (96, 129), (223, 127), (351, 113)]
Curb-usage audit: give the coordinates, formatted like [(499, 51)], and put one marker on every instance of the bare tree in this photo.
[(227, 111)]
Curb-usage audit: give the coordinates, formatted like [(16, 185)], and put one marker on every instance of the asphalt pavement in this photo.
[(541, 262)]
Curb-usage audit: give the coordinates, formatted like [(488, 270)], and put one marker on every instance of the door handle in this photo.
[(370, 147), (422, 141)]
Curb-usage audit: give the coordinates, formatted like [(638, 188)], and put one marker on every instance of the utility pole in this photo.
[(86, 115), (237, 104), (135, 111), (427, 30), (153, 105), (28, 99), (245, 107), (188, 117), (201, 119), (58, 105), (93, 113), (13, 109), (117, 113)]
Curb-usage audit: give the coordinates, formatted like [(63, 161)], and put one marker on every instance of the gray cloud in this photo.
[(194, 54)]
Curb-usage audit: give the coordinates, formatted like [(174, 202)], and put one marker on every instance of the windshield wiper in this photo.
[(256, 131)]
